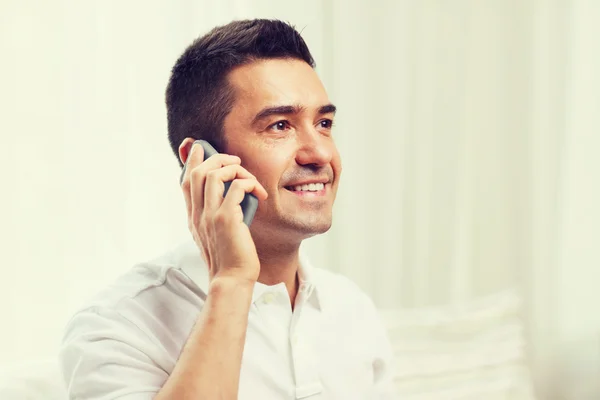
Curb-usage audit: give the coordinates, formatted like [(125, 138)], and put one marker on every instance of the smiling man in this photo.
[(238, 313)]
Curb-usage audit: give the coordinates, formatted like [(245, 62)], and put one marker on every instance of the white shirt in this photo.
[(126, 342)]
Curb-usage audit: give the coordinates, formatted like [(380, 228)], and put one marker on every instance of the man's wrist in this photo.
[(226, 284)]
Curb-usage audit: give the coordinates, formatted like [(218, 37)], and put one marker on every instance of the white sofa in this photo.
[(471, 351)]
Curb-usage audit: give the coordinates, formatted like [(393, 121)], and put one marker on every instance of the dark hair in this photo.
[(198, 95)]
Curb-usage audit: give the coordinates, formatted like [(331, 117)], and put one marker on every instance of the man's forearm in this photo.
[(209, 365)]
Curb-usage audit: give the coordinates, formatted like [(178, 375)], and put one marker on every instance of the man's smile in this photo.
[(309, 190)]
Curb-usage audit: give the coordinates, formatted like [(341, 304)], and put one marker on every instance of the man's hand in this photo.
[(216, 223), (210, 362)]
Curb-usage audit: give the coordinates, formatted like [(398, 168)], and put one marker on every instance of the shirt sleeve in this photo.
[(105, 356)]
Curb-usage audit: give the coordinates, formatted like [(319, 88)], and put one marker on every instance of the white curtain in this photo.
[(468, 131)]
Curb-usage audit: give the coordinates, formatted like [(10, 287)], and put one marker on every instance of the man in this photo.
[(237, 312)]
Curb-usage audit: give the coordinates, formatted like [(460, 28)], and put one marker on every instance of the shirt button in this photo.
[(269, 297)]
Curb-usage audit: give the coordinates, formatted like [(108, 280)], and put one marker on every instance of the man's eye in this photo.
[(280, 125), (326, 123)]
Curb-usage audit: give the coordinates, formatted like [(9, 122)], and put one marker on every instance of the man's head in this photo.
[(250, 89), (199, 95)]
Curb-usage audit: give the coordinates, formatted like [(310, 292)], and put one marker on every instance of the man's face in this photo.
[(280, 126)]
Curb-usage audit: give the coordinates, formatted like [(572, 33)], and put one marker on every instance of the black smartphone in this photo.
[(249, 204)]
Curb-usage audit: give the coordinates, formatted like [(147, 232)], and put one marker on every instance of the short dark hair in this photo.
[(198, 96)]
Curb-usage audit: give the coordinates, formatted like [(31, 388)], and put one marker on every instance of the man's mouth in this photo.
[(309, 187)]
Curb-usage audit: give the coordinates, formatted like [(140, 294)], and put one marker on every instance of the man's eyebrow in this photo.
[(328, 109), (277, 110), (290, 109)]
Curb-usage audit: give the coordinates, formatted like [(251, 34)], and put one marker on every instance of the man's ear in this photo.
[(184, 149)]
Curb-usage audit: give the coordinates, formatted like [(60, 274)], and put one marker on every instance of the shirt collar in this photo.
[(308, 284), (188, 259)]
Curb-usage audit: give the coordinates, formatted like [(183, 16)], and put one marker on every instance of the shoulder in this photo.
[(343, 294), (164, 276), (145, 300), (351, 310), (145, 314), (133, 286)]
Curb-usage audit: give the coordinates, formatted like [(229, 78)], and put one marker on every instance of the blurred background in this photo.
[(469, 132)]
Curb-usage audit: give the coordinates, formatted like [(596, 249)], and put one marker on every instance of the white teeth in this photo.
[(310, 187)]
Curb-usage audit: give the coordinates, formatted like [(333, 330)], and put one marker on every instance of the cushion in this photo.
[(470, 351)]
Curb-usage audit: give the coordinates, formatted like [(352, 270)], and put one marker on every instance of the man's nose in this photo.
[(314, 148)]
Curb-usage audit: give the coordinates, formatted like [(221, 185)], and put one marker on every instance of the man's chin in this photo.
[(297, 229), (310, 227), (292, 226)]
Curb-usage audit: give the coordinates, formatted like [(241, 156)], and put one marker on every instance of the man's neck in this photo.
[(280, 264)]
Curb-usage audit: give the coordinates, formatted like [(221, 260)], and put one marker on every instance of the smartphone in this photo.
[(249, 204)]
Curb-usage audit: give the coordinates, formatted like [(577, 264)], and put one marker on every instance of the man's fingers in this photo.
[(196, 159), (238, 190), (195, 176), (215, 184)]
